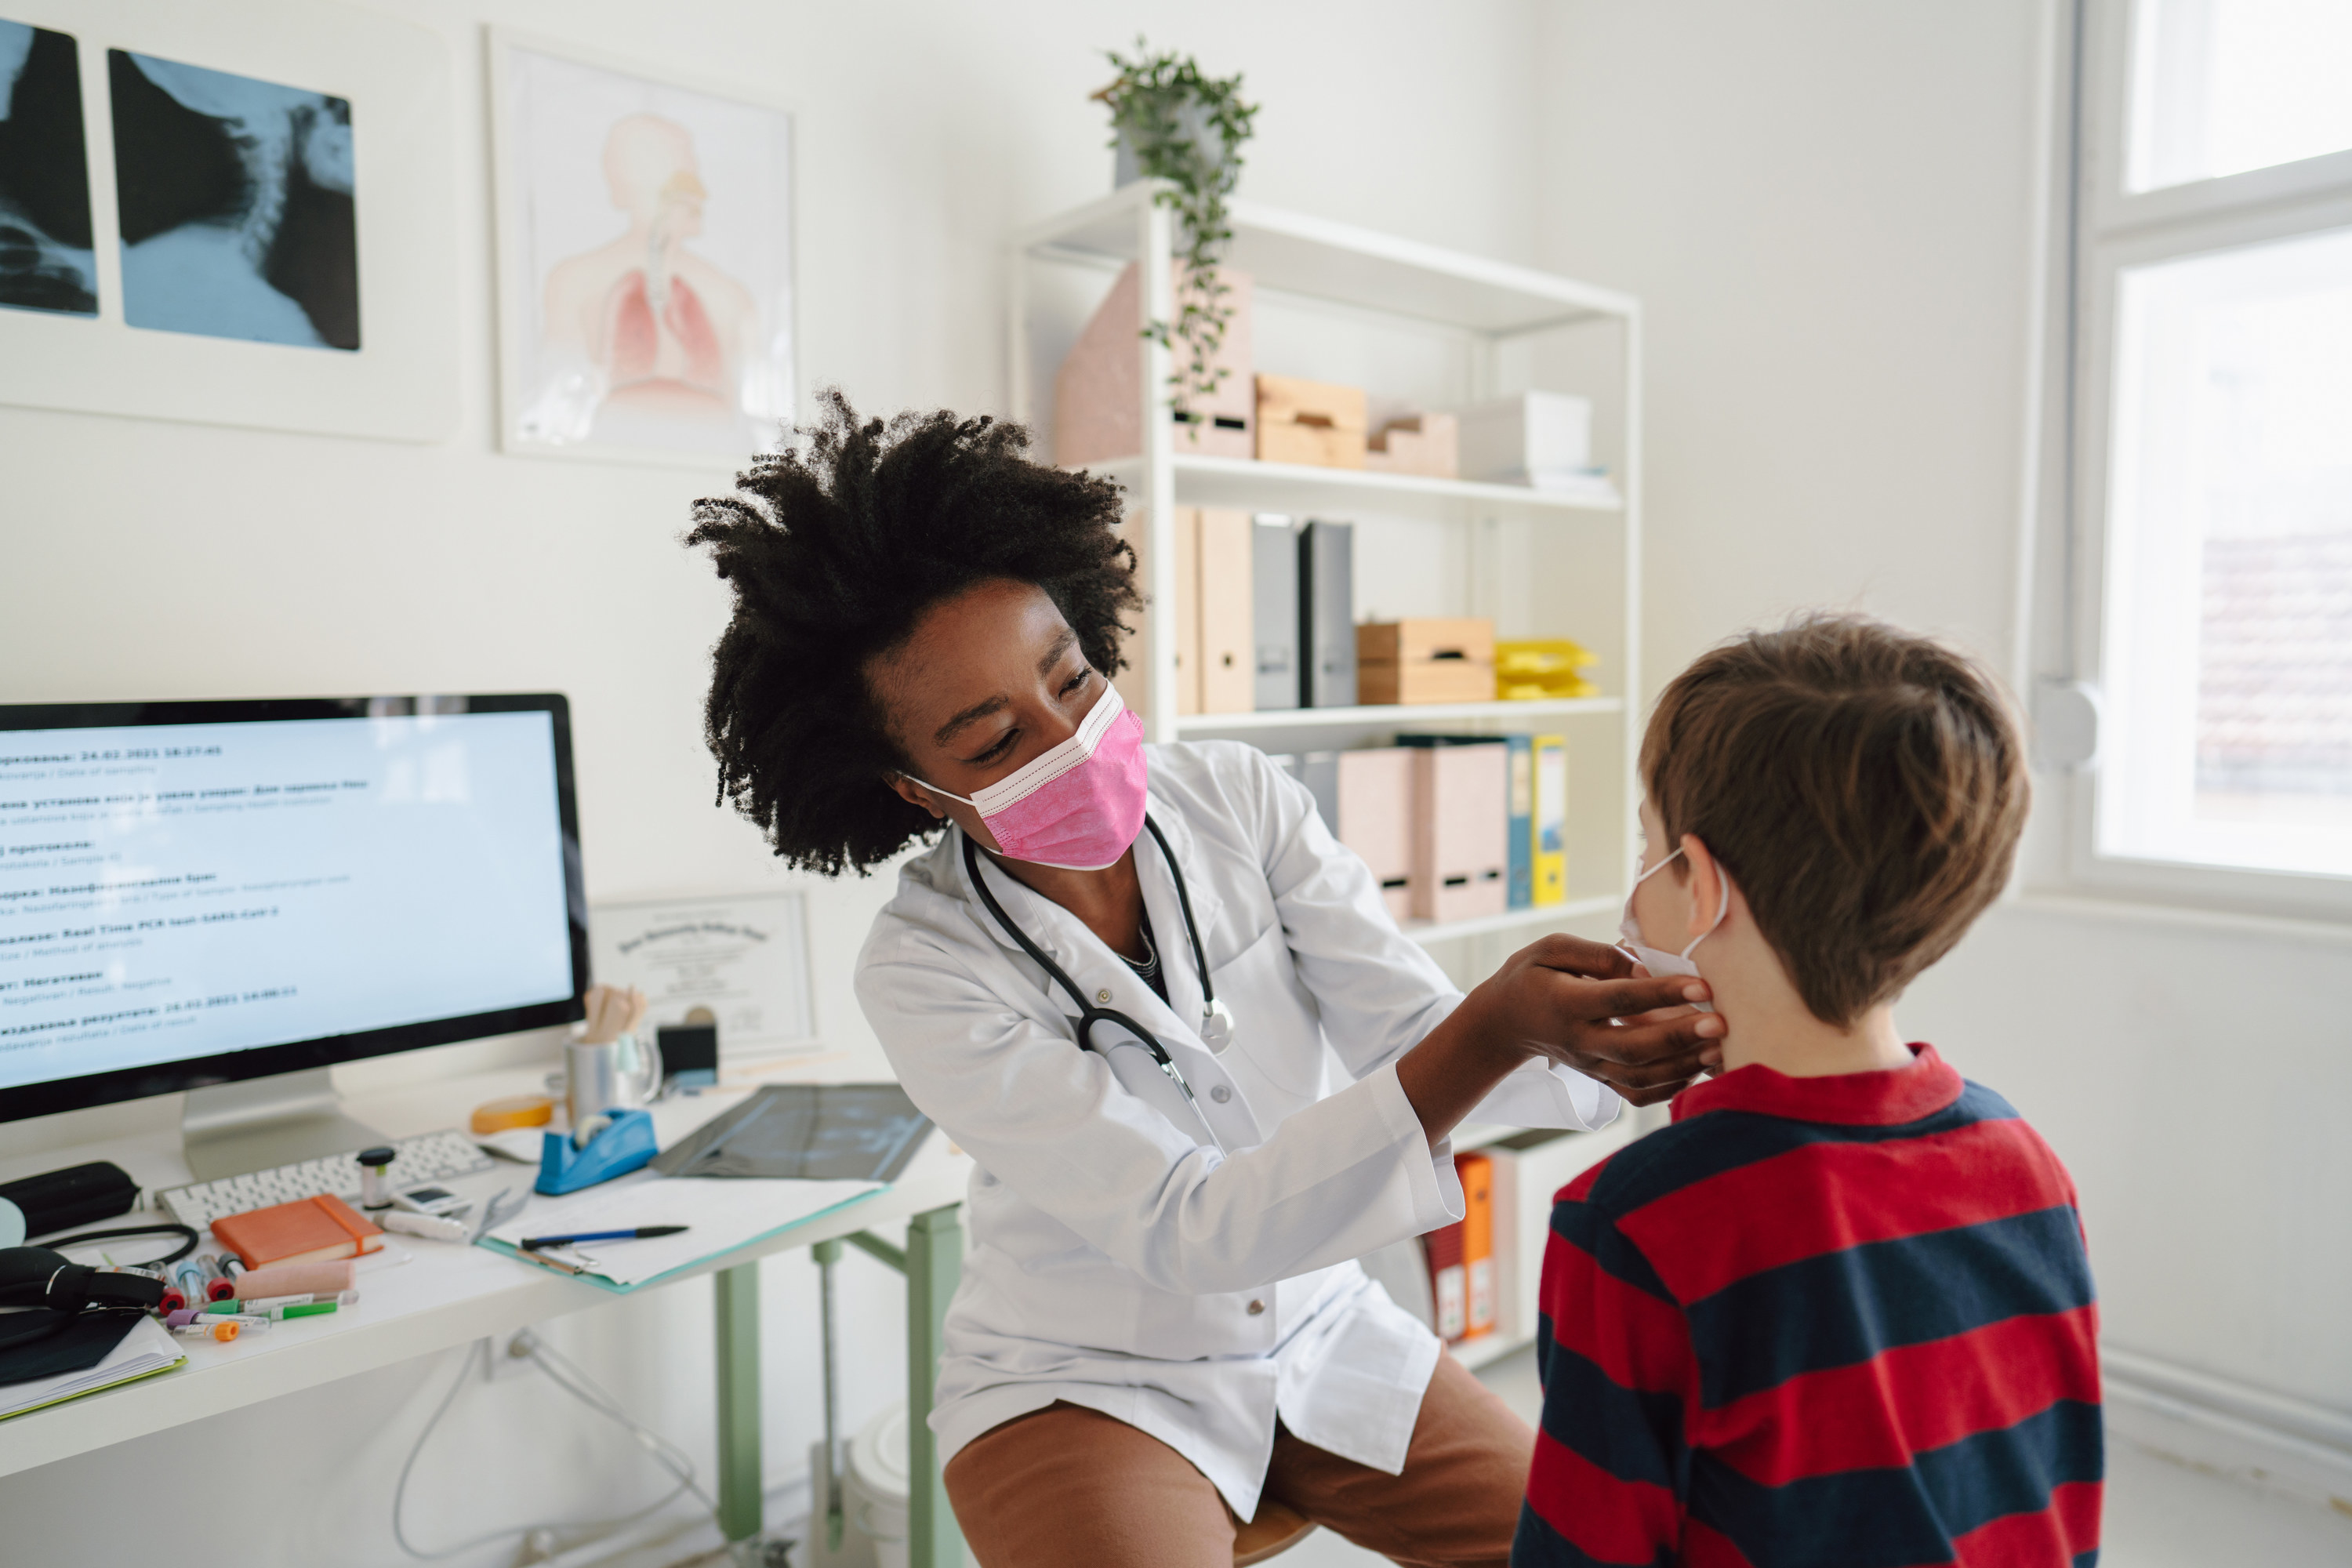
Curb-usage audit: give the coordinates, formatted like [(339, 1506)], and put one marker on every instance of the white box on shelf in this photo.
[(1509, 440), (1530, 1167)]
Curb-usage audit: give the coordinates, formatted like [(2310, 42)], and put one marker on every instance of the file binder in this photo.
[(1326, 615), (1274, 593)]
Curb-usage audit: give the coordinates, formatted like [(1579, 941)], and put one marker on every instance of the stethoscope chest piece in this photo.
[(1217, 1027)]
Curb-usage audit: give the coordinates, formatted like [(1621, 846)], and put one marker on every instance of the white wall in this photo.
[(1825, 204), (1827, 207), (150, 560)]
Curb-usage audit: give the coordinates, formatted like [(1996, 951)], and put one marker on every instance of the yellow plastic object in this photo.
[(1541, 669), (518, 1111)]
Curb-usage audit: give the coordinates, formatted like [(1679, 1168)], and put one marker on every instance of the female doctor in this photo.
[(1198, 1069)]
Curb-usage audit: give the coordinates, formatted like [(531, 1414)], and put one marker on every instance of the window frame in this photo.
[(2101, 229)]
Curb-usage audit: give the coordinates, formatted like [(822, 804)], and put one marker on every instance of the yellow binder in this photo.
[(1548, 823)]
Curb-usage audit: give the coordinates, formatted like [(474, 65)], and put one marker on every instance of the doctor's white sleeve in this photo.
[(1340, 1178), (1379, 990)]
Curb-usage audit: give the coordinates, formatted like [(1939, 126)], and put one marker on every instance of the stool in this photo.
[(1276, 1530)]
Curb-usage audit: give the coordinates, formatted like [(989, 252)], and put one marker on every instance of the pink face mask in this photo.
[(1079, 805)]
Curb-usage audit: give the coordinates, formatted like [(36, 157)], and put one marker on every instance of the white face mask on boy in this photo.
[(1657, 961)]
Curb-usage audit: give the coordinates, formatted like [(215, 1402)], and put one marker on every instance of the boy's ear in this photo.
[(1707, 884)]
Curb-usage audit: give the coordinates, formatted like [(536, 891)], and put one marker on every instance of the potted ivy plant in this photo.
[(1171, 123)]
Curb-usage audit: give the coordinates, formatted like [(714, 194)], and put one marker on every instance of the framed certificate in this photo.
[(736, 961)]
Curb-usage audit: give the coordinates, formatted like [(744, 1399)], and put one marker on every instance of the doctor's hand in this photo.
[(1570, 1001), (1589, 1007)]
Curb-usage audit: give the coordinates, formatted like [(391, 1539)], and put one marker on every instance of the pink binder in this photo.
[(1376, 817), (1461, 826)]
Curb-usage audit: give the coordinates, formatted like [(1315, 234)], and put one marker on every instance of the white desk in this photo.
[(450, 1295)]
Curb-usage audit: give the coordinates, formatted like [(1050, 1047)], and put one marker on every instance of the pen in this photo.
[(643, 1232)]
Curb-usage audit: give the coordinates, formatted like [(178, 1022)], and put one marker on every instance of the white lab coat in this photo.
[(1121, 1260)]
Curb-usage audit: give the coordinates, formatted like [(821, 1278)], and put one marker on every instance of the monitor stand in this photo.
[(230, 1128)]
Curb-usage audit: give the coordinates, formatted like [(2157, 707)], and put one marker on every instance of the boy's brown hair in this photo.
[(1864, 788)]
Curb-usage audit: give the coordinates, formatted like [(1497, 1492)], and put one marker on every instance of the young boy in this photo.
[(1839, 1311)]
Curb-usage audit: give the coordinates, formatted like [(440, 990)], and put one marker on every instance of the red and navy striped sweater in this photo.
[(1820, 1321)]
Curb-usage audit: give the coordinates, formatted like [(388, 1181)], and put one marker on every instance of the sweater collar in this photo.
[(1884, 1099)]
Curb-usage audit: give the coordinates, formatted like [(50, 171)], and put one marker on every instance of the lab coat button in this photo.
[(1102, 997), (1221, 1094), (1255, 1308)]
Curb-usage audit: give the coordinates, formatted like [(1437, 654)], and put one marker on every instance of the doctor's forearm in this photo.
[(1456, 1065)]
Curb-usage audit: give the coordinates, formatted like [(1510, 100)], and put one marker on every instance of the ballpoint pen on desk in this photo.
[(636, 1233)]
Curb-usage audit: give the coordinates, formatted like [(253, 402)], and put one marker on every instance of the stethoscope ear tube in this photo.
[(1090, 1014)]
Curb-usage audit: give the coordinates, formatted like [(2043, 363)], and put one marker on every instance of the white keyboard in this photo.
[(431, 1157)]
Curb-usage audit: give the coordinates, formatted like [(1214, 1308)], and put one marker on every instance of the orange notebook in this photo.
[(309, 1230), (1478, 1174)]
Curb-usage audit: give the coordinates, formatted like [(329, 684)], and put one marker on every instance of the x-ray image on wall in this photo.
[(46, 260), (236, 201)]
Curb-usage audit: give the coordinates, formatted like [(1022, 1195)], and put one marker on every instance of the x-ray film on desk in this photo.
[(819, 1132)]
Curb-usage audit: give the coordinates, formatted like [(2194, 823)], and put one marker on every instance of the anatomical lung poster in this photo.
[(646, 262)]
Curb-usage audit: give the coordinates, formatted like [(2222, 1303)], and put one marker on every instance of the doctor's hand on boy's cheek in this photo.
[(1591, 1007)]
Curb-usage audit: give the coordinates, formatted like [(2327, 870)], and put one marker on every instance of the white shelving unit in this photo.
[(1351, 275), (1293, 487), (1408, 714)]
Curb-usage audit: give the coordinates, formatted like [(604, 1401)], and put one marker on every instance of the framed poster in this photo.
[(239, 215), (645, 298), (736, 961)]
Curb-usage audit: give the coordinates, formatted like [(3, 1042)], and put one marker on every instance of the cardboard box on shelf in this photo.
[(1528, 438), (1311, 422), (1098, 390), (1425, 660), (1426, 444)]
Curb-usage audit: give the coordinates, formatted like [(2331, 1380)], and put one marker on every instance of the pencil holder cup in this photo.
[(592, 1080)]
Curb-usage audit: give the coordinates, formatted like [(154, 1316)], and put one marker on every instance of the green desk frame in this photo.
[(932, 1261)]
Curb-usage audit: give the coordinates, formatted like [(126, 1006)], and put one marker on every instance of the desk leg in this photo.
[(737, 1292), (934, 1264)]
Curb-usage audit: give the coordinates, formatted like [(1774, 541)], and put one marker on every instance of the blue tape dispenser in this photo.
[(620, 1148)]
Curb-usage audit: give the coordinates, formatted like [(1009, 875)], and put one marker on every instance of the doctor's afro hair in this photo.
[(834, 548)]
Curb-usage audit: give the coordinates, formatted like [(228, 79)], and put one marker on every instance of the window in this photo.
[(2213, 322), (2219, 87)]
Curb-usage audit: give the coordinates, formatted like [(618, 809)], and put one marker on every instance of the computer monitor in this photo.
[(201, 894)]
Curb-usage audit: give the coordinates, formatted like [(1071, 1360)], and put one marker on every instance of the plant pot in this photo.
[(1192, 119)]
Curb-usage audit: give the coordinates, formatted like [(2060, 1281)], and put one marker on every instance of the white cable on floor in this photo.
[(569, 1377)]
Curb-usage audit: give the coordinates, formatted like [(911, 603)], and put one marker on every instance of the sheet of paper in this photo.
[(719, 1215)]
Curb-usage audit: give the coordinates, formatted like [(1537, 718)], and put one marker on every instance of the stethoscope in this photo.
[(1216, 1018)]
